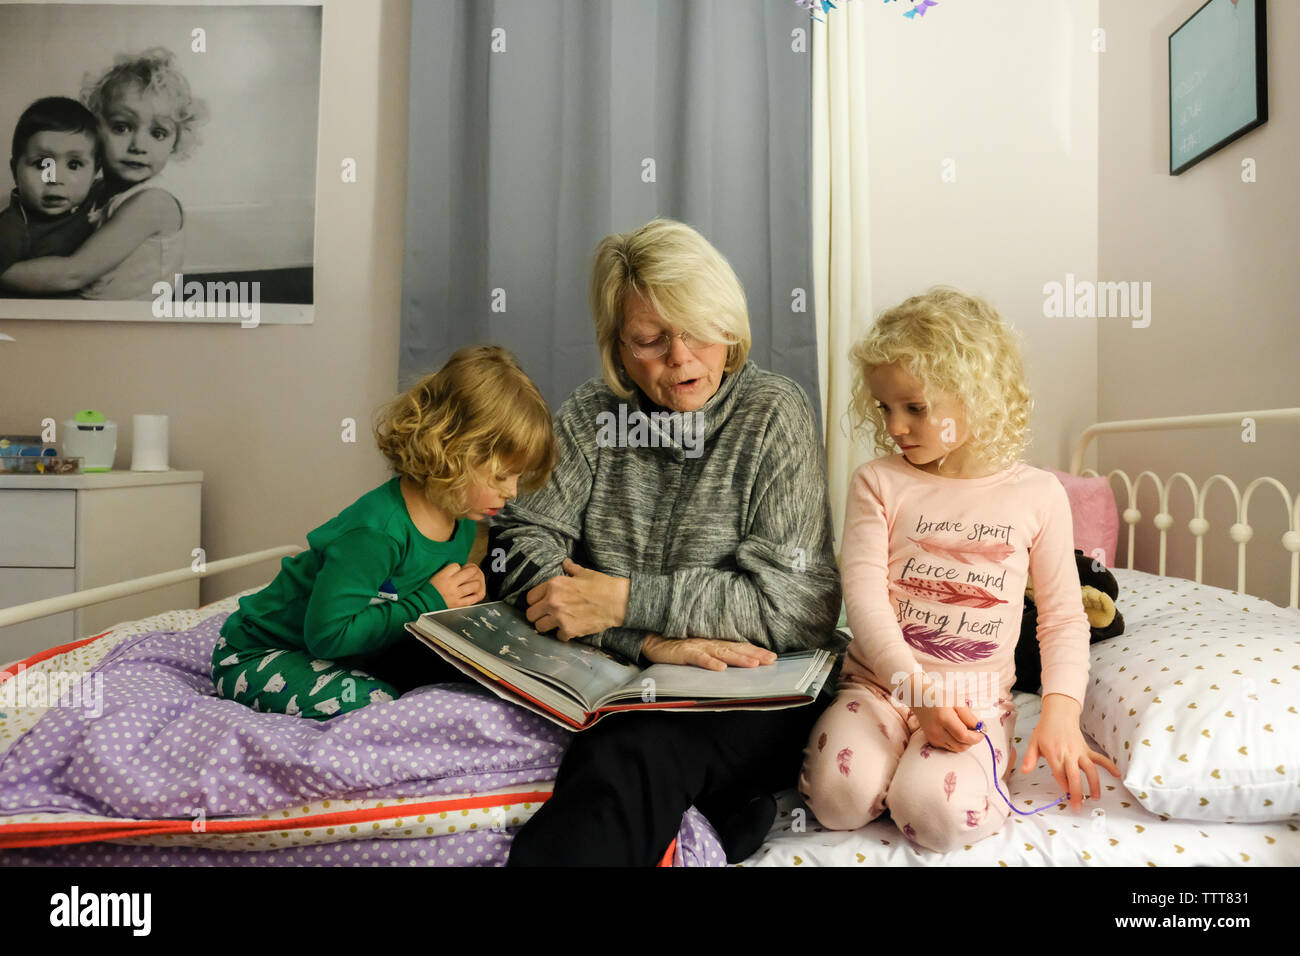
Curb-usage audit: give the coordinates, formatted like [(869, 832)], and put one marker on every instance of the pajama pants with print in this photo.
[(296, 682), (868, 753)]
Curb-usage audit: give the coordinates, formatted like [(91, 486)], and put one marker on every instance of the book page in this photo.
[(790, 674), (502, 631)]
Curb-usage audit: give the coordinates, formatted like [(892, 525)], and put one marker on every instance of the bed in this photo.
[(1207, 741), (142, 765)]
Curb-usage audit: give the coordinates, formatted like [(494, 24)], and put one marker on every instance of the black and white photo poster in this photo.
[(162, 161)]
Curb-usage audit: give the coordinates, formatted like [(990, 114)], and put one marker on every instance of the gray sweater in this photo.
[(724, 529)]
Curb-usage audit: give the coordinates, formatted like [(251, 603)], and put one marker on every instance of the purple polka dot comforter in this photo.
[(118, 752)]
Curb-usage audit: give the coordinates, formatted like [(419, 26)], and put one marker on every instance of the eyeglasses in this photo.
[(658, 347)]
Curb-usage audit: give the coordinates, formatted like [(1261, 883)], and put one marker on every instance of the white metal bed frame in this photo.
[(1240, 532)]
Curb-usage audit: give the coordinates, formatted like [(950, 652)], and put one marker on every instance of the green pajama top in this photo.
[(365, 574)]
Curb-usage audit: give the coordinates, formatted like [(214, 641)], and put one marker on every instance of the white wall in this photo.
[(1008, 90)]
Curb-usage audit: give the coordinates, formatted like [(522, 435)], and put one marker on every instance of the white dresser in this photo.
[(65, 533)]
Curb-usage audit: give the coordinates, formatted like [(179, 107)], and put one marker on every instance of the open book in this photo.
[(575, 685)]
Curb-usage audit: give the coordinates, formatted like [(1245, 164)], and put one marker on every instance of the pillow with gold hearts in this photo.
[(1198, 703)]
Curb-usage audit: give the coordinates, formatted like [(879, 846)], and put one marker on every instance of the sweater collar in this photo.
[(679, 432)]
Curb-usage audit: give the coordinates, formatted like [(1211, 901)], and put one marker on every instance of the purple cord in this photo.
[(1024, 813)]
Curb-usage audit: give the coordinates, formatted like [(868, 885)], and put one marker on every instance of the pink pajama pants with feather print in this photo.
[(867, 753)]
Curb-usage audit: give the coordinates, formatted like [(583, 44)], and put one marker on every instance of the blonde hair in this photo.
[(689, 284), (155, 71), (475, 418), (956, 344)]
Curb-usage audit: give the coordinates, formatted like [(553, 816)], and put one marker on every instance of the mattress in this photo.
[(1115, 831)]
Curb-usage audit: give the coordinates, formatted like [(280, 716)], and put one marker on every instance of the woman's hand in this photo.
[(1059, 740), (460, 586), (579, 603), (704, 652)]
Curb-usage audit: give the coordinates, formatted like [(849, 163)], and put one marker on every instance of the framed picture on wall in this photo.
[(163, 160), (1218, 79)]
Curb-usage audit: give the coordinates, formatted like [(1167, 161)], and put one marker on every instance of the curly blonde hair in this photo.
[(682, 276), (153, 70), (476, 418), (956, 344)]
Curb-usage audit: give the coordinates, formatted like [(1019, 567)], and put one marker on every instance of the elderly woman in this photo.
[(700, 534)]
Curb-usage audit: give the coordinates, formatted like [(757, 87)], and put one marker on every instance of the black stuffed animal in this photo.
[(1104, 620)]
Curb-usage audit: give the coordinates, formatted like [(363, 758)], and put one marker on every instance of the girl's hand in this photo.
[(578, 603), (460, 586), (713, 655), (950, 728), (1059, 739)]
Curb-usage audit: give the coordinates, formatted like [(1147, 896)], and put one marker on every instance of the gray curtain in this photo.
[(520, 161)]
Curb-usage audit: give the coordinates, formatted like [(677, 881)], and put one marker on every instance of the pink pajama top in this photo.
[(934, 574)]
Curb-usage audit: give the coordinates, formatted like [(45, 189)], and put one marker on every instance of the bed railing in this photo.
[(1241, 531), (111, 592)]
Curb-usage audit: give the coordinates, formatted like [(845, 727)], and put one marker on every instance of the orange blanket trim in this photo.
[(14, 835), (45, 655), (668, 857)]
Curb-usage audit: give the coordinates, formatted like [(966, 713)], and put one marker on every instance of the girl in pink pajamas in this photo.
[(938, 541)]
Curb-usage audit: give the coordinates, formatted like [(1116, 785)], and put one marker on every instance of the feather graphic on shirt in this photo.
[(948, 592), (852, 706), (954, 649), (909, 832), (241, 683), (925, 751), (949, 784), (292, 708), (994, 552), (821, 743), (270, 657), (842, 760)]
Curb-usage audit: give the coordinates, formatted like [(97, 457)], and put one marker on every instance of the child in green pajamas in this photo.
[(461, 442)]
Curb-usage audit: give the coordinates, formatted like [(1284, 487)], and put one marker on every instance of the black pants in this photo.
[(624, 784)]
